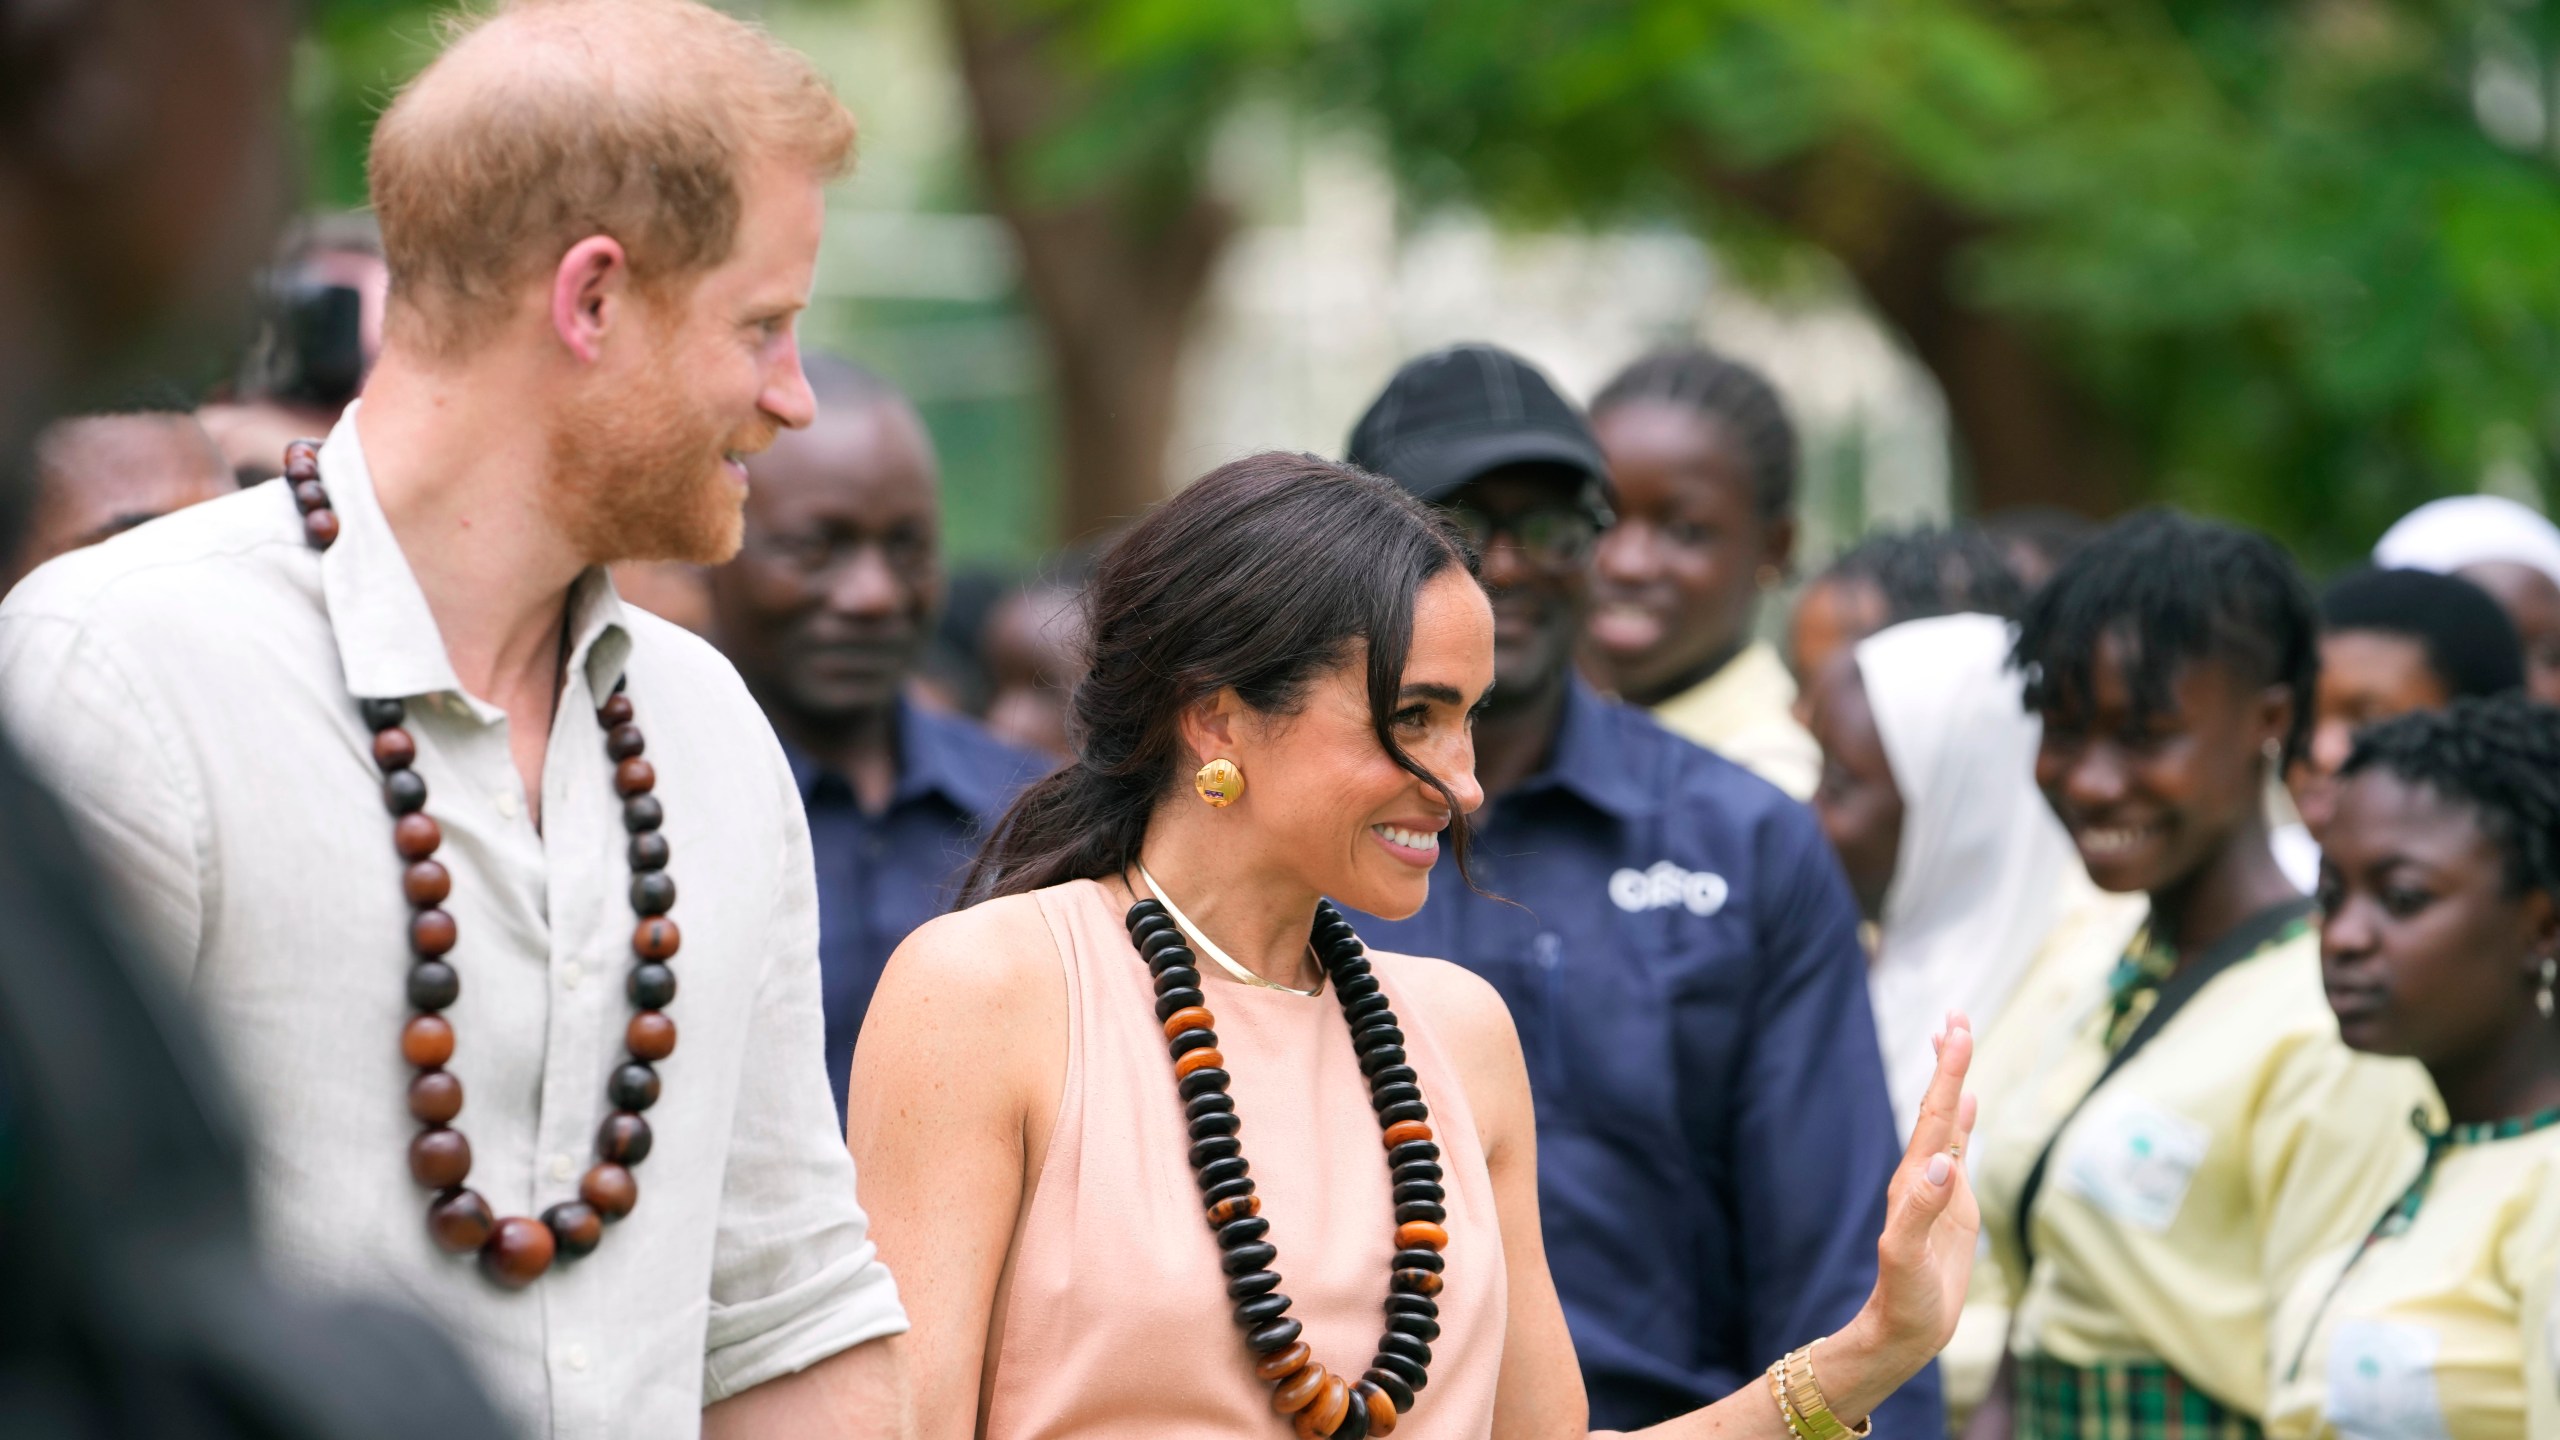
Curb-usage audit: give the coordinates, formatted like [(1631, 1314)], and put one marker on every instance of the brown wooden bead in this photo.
[(1189, 1017), (460, 1221), (610, 1188), (1382, 1411), (432, 933), (310, 495), (393, 749), (425, 883), (1284, 1363), (439, 1158), (624, 741), (517, 1254), (1197, 1060), (650, 1035), (320, 527), (635, 776), (656, 938), (302, 459), (1425, 1283), (1233, 1208), (1295, 1393), (615, 711), (576, 1226), (623, 1138), (1323, 1415), (426, 1041), (1405, 1132), (416, 835), (1421, 1234), (435, 1097)]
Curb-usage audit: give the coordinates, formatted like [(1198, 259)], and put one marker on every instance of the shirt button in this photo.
[(571, 974), (562, 1168), (577, 1357), (508, 805)]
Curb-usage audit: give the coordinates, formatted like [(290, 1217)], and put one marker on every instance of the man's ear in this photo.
[(588, 291), (1212, 728)]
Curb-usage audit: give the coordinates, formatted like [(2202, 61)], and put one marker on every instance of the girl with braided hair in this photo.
[(2440, 887), (2156, 1180)]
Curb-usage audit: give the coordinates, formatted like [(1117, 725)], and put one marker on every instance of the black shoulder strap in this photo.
[(2245, 939)]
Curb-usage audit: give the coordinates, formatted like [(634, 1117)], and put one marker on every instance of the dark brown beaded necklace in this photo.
[(1320, 1403), (516, 1250)]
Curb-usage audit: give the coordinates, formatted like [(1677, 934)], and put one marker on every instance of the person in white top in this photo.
[(405, 794)]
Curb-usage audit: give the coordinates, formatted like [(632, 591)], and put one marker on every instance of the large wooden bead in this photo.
[(439, 1159), (426, 1041), (623, 1138), (310, 495), (433, 985), (1422, 1234), (1355, 1420), (393, 749), (1189, 1017), (622, 742), (1414, 1376), (615, 711), (1283, 1363), (425, 883), (643, 812), (1299, 1390), (575, 1227), (648, 851), (404, 791), (518, 1252), (651, 986), (1235, 1208), (1406, 1344), (610, 1189), (1195, 1061), (320, 528), (634, 776), (435, 1097), (1417, 1282), (416, 835), (301, 459), (381, 715), (1324, 1413), (1405, 1132), (633, 1086), (432, 933), (1382, 1411), (657, 938), (650, 1035), (1392, 1386), (460, 1221), (653, 892)]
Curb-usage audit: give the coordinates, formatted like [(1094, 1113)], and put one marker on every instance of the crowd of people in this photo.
[(2050, 980)]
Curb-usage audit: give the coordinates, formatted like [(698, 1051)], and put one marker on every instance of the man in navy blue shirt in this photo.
[(824, 613), (1682, 959)]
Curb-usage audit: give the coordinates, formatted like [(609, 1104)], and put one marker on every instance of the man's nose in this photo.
[(865, 584)]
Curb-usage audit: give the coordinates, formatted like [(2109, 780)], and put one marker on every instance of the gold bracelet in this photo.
[(1802, 1405)]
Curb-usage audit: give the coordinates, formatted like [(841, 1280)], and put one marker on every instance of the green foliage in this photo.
[(355, 54)]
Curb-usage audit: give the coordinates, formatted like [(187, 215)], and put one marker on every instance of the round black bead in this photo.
[(1154, 922), (652, 986), (1188, 1041), (1408, 1110), (1210, 1104), (1395, 1075), (1413, 1282), (649, 851), (433, 985), (1403, 1368), (1278, 1335), (1243, 1232), (1207, 1126), (1396, 1342), (1244, 1259), (1145, 908), (634, 1085), (653, 892), (1420, 1190), (1359, 1011), (1201, 1082), (1398, 1393), (1358, 987), (1384, 1057), (382, 714), (1259, 1282), (1261, 1310), (1153, 944), (1218, 1172), (1379, 1036), (1418, 1258), (1172, 1000), (1422, 1305), (1382, 1096), (1414, 1170), (1355, 1421), (1412, 1150), (1216, 1147), (1225, 1190), (404, 791), (1419, 1327), (1176, 977), (1412, 1210), (643, 812)]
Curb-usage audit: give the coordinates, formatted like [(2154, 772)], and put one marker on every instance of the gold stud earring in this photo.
[(1220, 783)]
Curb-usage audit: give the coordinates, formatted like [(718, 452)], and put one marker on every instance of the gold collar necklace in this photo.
[(1218, 957)]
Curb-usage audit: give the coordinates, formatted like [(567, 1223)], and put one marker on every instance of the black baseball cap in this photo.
[(1455, 414)]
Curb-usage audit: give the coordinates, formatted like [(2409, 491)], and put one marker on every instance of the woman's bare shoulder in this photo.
[(1464, 1010), (998, 956)]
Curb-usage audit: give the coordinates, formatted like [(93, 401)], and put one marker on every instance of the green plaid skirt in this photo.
[(2121, 1401)]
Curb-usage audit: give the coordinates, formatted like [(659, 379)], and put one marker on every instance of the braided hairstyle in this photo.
[(2498, 756), (1730, 393), (2173, 589), (1927, 571)]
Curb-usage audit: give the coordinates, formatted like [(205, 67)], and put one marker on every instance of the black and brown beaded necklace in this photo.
[(1319, 1403), (516, 1250)]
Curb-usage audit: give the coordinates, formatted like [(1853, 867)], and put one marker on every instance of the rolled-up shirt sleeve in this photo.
[(795, 1277)]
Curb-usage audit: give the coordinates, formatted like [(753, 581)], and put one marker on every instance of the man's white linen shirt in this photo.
[(191, 690)]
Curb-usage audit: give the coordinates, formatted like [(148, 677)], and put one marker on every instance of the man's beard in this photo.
[(637, 473)]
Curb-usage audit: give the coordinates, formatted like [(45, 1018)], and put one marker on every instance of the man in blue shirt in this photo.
[(824, 613), (1682, 959)]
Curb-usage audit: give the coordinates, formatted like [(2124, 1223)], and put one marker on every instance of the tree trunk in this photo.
[(1115, 271)]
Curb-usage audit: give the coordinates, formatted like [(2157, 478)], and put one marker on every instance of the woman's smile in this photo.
[(1416, 844)]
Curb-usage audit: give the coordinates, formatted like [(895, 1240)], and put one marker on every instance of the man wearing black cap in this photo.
[(1682, 959)]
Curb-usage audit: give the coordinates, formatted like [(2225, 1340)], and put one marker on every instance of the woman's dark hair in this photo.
[(1729, 392), (1927, 571), (2471, 645), (2499, 756), (2173, 589), (1260, 576)]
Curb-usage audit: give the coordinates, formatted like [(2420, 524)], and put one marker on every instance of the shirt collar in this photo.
[(932, 760), (388, 645), (1590, 761)]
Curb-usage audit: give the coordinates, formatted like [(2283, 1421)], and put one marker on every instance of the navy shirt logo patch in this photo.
[(1664, 885)]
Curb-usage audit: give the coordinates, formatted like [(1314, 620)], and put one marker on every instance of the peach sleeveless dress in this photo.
[(1117, 1323)]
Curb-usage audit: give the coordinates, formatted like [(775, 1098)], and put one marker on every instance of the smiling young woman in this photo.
[(2441, 942), (2200, 1133), (1157, 1146)]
